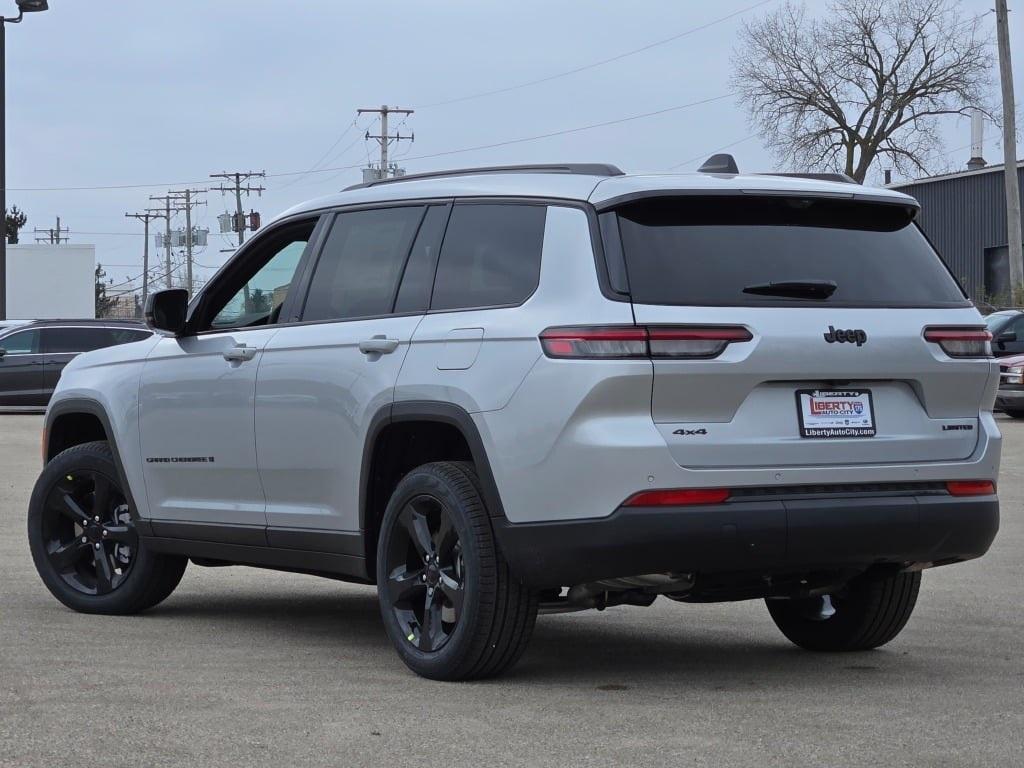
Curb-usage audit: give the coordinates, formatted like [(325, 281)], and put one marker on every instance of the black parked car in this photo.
[(33, 355), (1007, 328)]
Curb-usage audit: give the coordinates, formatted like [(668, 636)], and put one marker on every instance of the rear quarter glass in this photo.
[(706, 250)]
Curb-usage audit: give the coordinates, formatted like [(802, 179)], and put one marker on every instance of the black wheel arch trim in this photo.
[(94, 408), (434, 411)]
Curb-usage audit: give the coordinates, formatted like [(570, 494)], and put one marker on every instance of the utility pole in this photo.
[(384, 138), (167, 200), (145, 217), (1013, 240), (187, 206), (53, 236), (24, 6), (240, 184)]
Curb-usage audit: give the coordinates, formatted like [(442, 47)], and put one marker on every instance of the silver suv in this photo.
[(510, 390)]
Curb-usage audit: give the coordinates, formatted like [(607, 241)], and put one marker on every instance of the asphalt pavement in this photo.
[(242, 666)]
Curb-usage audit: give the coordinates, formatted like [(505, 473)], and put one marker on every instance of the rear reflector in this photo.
[(961, 341), (677, 497), (623, 342), (971, 487)]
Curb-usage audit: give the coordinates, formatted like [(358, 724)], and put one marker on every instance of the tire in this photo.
[(1014, 414), (70, 546), (480, 628), (868, 613)]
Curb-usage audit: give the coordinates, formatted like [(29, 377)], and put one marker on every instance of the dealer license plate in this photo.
[(835, 413)]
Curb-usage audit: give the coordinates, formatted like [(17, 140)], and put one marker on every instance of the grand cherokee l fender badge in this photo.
[(180, 460), (849, 335)]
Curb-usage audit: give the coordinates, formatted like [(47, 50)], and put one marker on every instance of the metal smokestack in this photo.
[(977, 140)]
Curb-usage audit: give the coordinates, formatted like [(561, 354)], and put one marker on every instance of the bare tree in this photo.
[(869, 80)]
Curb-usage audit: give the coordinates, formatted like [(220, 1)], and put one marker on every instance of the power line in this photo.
[(567, 131), (705, 155), (594, 64), (444, 153), (326, 154)]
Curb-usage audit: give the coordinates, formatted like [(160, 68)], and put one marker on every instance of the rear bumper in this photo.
[(773, 536)]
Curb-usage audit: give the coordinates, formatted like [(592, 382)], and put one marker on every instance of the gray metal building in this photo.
[(964, 215)]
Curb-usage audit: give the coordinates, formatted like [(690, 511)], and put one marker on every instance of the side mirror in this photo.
[(166, 310), (1007, 336)]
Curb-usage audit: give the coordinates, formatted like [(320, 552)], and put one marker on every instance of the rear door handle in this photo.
[(240, 354), (378, 345)]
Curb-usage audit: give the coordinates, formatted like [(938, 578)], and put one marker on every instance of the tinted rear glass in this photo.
[(706, 250), (72, 340), (358, 272), (490, 257)]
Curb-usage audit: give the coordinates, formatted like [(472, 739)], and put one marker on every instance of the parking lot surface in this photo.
[(250, 667)]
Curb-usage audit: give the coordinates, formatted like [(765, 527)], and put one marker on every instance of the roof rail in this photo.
[(840, 177), (584, 169)]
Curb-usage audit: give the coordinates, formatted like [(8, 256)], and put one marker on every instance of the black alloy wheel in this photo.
[(426, 573), (451, 605), (88, 534), (85, 543)]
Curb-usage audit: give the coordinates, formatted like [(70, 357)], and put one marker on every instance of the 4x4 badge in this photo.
[(850, 335), (688, 432)]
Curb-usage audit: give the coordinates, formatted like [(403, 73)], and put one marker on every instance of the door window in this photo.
[(490, 257), (73, 340), (362, 261), (21, 343), (418, 278), (254, 295)]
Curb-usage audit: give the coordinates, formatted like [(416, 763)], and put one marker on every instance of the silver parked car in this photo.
[(498, 391)]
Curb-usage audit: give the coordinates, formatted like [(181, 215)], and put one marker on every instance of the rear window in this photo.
[(707, 250), (490, 256)]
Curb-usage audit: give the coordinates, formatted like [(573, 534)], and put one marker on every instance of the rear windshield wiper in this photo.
[(795, 289)]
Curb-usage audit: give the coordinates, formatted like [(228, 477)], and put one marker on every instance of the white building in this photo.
[(47, 281)]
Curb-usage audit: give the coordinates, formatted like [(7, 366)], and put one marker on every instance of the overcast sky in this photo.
[(142, 92)]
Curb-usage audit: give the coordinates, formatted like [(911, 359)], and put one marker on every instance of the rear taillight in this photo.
[(656, 341), (595, 342), (961, 341), (971, 487), (693, 342), (677, 497)]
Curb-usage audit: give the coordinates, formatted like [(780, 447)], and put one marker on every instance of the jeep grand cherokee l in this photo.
[(510, 390)]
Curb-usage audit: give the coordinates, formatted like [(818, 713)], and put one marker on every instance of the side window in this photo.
[(127, 335), (85, 339), (255, 295), (362, 261), (62, 341), (490, 257), (21, 343), (418, 279)]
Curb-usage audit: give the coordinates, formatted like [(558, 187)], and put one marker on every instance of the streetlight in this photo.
[(24, 6)]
